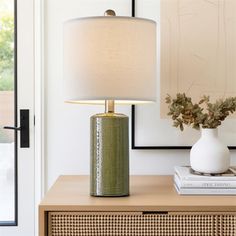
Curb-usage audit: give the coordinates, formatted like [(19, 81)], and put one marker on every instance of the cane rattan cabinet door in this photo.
[(140, 224)]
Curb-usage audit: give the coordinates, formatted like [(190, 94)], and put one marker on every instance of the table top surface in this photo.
[(150, 193)]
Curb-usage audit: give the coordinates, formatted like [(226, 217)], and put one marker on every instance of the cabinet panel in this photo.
[(140, 224)]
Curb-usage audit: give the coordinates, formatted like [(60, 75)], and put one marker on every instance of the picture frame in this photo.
[(149, 131)]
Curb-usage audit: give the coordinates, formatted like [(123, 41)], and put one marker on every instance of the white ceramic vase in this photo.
[(209, 154)]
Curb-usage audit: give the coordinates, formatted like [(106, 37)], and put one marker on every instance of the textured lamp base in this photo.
[(109, 155)]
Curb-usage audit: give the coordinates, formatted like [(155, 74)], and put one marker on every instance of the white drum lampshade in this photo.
[(110, 58)]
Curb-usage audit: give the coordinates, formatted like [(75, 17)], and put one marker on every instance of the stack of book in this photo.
[(189, 182)]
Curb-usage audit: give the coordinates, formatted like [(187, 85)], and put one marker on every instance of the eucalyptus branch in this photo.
[(202, 114)]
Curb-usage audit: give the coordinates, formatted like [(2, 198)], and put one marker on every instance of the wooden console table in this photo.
[(153, 208)]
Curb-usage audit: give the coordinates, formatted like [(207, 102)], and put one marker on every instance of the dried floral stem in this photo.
[(202, 114)]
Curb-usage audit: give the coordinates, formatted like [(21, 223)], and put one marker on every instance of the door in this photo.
[(17, 201)]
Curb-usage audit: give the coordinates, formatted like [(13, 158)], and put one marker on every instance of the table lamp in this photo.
[(110, 60)]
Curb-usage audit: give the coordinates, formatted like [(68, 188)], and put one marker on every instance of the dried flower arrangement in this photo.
[(202, 114)]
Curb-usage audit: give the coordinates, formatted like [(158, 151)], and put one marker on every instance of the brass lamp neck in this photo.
[(109, 106)]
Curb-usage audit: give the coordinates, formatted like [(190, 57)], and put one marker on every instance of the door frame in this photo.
[(15, 177), (40, 177)]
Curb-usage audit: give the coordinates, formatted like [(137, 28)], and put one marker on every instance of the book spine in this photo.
[(200, 191), (208, 178), (204, 184), (205, 178)]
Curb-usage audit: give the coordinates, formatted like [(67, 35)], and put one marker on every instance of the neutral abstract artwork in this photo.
[(197, 55), (198, 49)]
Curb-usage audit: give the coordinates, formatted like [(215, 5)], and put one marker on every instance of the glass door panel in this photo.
[(7, 115)]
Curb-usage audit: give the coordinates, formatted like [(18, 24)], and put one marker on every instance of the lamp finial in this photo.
[(109, 12)]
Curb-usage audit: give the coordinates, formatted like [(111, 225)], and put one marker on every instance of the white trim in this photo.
[(39, 105)]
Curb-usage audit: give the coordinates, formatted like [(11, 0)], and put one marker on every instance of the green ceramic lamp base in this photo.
[(109, 155)]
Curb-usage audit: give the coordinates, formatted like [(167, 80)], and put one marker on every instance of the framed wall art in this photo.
[(196, 54)]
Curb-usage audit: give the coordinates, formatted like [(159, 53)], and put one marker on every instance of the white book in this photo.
[(205, 191), (203, 184), (185, 174)]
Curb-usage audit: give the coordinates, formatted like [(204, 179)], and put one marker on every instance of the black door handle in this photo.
[(24, 128), (10, 127)]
